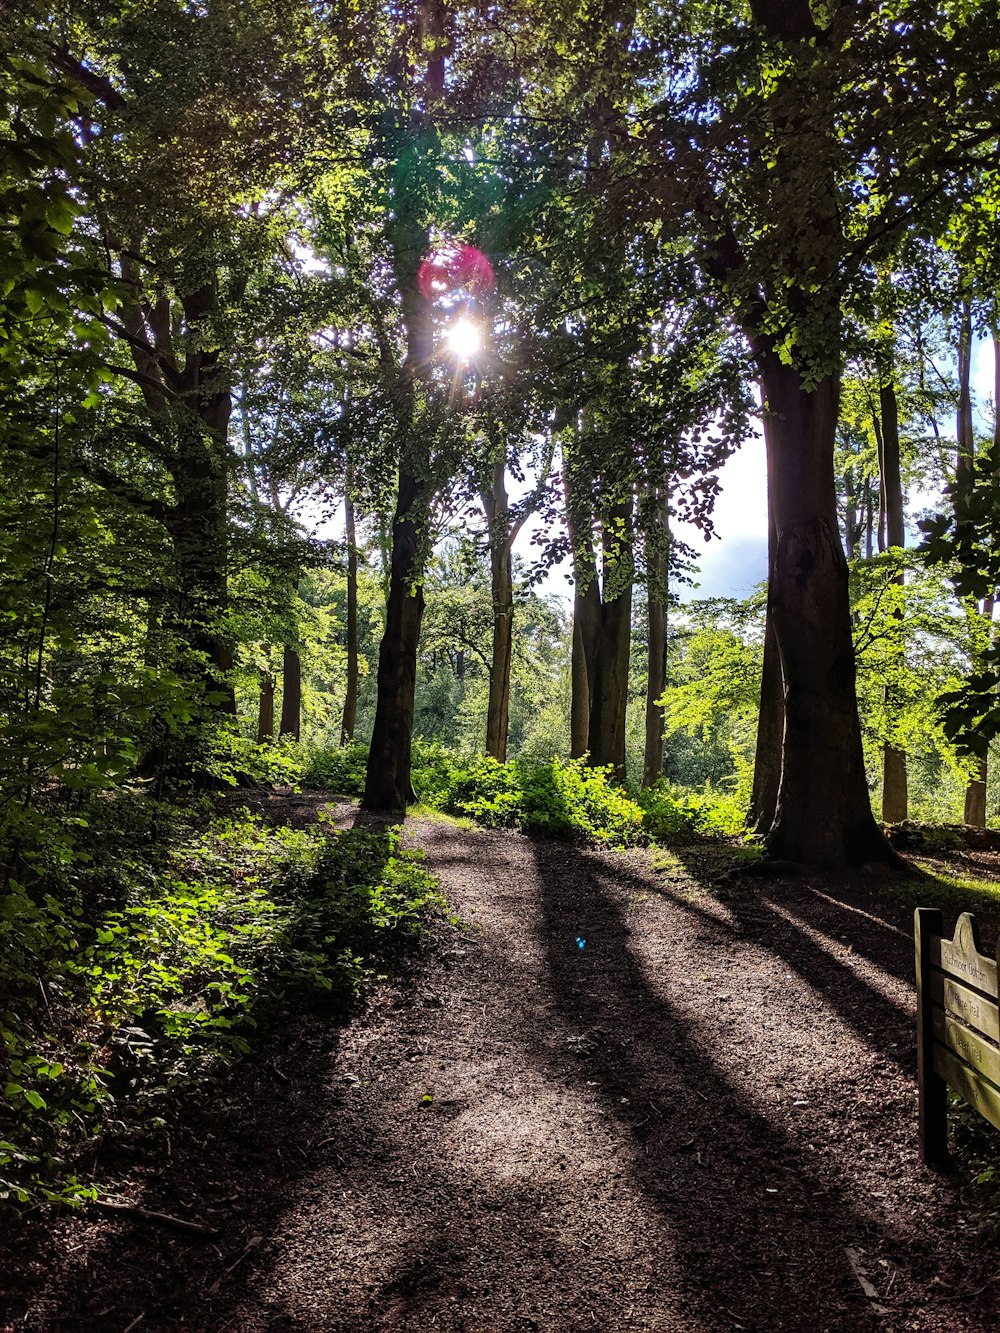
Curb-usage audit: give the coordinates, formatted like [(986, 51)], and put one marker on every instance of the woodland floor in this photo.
[(702, 1119)]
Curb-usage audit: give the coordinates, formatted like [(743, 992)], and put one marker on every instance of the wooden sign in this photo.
[(958, 1027)]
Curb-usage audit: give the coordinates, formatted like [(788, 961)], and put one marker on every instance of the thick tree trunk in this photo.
[(349, 720), (823, 814), (612, 645), (388, 786), (197, 524), (895, 803), (291, 693), (656, 642), (770, 730), (265, 709)]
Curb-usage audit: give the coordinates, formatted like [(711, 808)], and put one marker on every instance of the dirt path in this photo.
[(618, 1101)]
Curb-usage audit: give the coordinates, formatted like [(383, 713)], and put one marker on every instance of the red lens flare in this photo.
[(455, 266)]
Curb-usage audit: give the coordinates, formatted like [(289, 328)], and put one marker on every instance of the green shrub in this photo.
[(557, 797), (566, 798), (668, 812), (337, 769), (664, 815)]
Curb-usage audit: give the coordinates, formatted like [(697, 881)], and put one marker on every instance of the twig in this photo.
[(251, 1244), (854, 1259), (165, 1219), (135, 1322)]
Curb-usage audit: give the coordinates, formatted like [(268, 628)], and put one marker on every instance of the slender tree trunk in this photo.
[(586, 613), (388, 786), (657, 558), (265, 709), (291, 692), (894, 780), (823, 814), (496, 509), (609, 690), (351, 692), (388, 783), (851, 529), (975, 792), (771, 717)]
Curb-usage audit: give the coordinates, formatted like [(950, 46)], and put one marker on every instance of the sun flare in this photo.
[(464, 339)]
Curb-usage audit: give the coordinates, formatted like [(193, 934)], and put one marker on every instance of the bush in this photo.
[(556, 797), (668, 813), (337, 769), (122, 998)]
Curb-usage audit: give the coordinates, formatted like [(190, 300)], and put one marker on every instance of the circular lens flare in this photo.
[(464, 339)]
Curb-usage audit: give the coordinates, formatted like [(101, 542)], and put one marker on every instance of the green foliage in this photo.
[(668, 812), (336, 769), (556, 798), (128, 984)]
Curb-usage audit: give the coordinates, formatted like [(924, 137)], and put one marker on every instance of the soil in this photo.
[(631, 1092)]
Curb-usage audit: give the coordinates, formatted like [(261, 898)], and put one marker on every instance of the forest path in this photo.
[(702, 1118)]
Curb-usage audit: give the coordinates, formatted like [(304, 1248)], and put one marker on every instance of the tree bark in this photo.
[(975, 792), (265, 709), (823, 814), (198, 528), (291, 693), (612, 645), (586, 612), (657, 558), (496, 508), (349, 720), (771, 717), (895, 803), (388, 786)]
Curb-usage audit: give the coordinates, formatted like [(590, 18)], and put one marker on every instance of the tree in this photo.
[(785, 209)]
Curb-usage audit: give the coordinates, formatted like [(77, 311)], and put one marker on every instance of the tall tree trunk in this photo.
[(388, 786), (586, 611), (609, 689), (657, 562), (975, 792), (496, 508), (823, 814), (265, 709), (351, 692), (197, 524), (291, 692), (771, 716), (851, 526), (894, 783)]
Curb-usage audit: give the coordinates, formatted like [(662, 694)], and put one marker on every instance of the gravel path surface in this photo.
[(619, 1099)]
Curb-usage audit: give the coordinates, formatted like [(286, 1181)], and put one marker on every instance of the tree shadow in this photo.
[(762, 1213)]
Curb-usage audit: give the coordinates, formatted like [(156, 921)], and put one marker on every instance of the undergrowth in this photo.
[(558, 798), (142, 965)]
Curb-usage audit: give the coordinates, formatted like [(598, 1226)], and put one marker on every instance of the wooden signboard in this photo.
[(958, 1027)]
